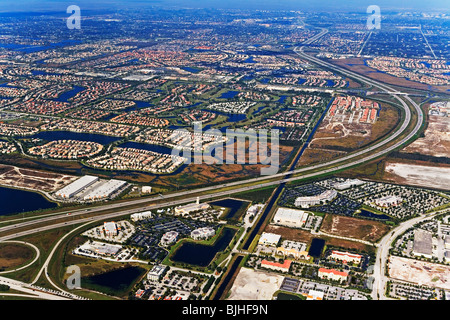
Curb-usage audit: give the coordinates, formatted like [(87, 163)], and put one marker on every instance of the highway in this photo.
[(371, 152)]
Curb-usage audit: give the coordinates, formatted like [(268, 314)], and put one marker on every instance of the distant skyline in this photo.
[(324, 5)]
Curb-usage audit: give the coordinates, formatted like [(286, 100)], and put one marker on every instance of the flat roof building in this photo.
[(76, 187), (269, 239), (306, 202), (191, 207), (203, 233), (110, 229), (169, 237), (105, 190), (156, 272), (423, 243), (141, 215), (290, 217), (345, 256)]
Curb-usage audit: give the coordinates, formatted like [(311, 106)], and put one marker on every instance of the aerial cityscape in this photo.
[(197, 151)]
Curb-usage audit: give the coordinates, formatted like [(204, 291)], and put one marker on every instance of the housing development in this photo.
[(192, 153)]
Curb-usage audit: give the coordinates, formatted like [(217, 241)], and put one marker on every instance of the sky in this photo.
[(302, 5)]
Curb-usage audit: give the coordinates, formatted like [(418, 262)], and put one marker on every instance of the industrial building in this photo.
[(290, 217), (269, 239), (306, 202), (105, 190), (423, 243), (76, 187)]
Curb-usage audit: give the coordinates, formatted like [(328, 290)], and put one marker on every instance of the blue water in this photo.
[(64, 97), (228, 277), (189, 69), (17, 201), (117, 280), (229, 94), (282, 99), (316, 247), (249, 60), (365, 213), (202, 255), (232, 204), (148, 147), (68, 135)]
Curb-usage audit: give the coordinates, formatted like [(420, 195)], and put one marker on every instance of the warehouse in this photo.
[(105, 190), (76, 187), (423, 243), (290, 217)]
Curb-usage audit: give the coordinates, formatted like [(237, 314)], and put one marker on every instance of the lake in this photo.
[(233, 204), (368, 214), (17, 201), (200, 254), (69, 135), (117, 282), (316, 247)]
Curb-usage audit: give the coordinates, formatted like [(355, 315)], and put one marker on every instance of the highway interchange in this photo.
[(395, 140)]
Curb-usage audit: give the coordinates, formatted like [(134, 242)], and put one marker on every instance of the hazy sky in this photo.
[(322, 5)]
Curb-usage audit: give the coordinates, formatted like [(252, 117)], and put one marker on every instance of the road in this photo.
[(369, 153)]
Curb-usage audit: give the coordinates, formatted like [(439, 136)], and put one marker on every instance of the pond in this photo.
[(17, 201), (316, 247), (233, 204), (117, 282), (200, 254)]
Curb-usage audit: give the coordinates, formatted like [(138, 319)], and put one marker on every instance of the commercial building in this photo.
[(388, 201), (283, 267), (348, 183), (141, 215), (203, 233), (146, 189), (156, 272), (423, 243), (346, 257), (290, 217), (110, 229), (314, 295), (332, 274), (269, 239), (306, 202), (76, 187), (169, 237), (105, 190), (191, 207)]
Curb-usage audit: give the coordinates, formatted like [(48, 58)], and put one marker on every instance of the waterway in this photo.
[(281, 186), (15, 201)]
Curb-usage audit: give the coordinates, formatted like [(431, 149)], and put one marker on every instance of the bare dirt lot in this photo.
[(419, 175), (33, 179), (437, 138), (354, 228), (423, 273), (255, 285)]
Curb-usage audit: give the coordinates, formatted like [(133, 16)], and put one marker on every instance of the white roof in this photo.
[(77, 185)]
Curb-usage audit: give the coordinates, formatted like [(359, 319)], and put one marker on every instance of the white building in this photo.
[(290, 217), (141, 215), (346, 256), (269, 239), (146, 189), (156, 273), (388, 201), (306, 202), (76, 187), (203, 233), (169, 237), (110, 229), (191, 207), (105, 190), (347, 184)]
